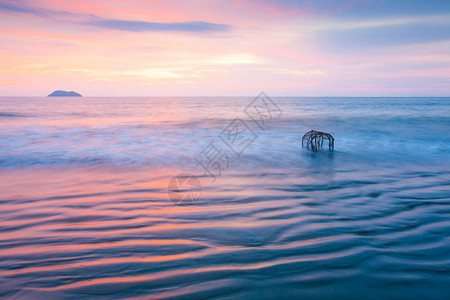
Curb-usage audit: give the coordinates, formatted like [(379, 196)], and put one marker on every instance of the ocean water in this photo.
[(88, 209)]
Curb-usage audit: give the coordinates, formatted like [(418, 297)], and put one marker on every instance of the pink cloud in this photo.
[(270, 46)]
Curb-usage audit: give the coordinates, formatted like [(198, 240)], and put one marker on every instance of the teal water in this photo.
[(85, 211)]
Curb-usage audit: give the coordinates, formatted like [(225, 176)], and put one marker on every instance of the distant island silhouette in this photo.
[(59, 93)]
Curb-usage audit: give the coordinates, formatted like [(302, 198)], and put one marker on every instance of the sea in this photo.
[(217, 198)]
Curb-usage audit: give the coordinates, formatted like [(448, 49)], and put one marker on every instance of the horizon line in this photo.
[(234, 96)]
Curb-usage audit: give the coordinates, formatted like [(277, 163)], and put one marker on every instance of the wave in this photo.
[(120, 239)]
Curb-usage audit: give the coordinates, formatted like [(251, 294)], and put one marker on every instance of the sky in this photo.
[(225, 47)]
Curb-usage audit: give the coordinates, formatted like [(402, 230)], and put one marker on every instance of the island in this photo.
[(59, 93)]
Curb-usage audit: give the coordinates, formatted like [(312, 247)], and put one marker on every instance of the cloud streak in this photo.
[(140, 26), (96, 21), (38, 12), (382, 36)]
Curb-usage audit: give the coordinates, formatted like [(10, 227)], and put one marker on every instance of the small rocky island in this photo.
[(59, 93)]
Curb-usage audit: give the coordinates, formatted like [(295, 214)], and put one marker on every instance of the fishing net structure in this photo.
[(314, 140)]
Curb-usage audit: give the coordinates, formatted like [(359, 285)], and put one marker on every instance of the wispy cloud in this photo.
[(130, 25), (364, 36), (20, 7), (361, 8), (392, 21), (96, 21), (5, 6)]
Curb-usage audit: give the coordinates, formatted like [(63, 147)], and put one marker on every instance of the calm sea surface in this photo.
[(85, 209)]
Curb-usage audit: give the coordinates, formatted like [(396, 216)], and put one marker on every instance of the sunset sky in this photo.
[(225, 48)]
